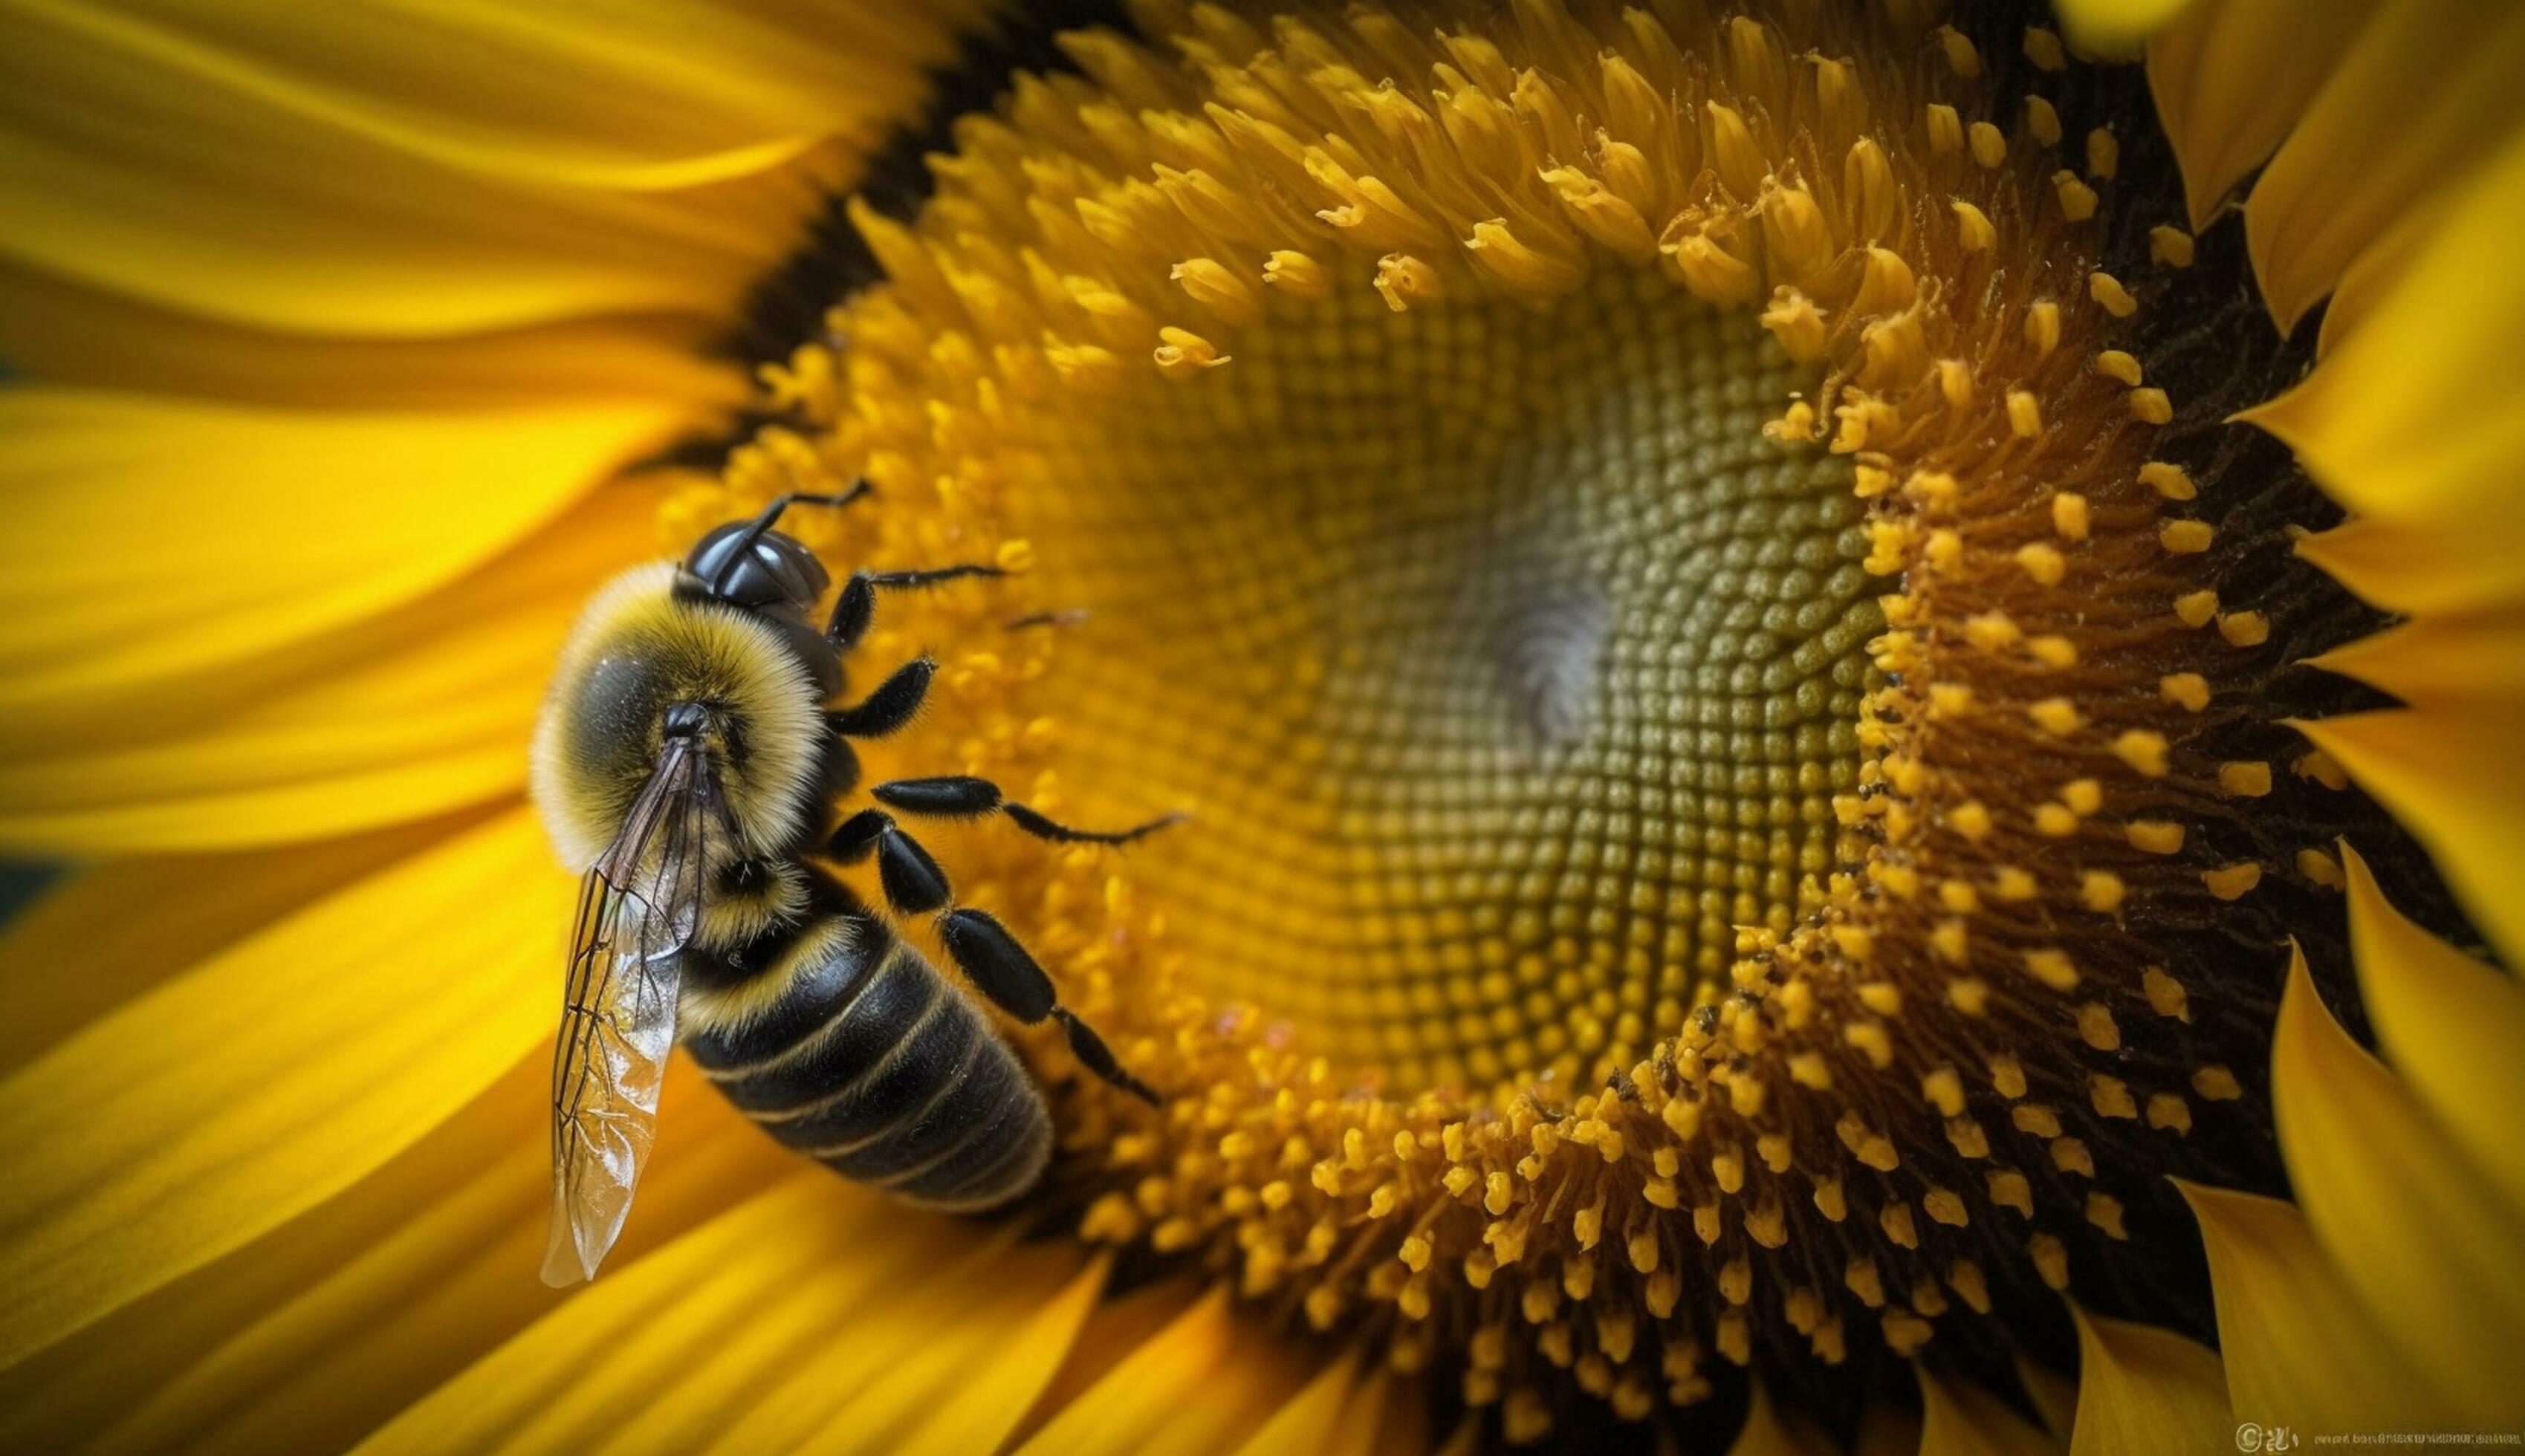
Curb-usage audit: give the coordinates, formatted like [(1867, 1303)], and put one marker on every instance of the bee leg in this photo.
[(913, 883), (993, 961), (962, 797), (889, 707), (841, 765), (856, 603)]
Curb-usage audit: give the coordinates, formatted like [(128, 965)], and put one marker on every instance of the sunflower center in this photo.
[(1652, 547), (1501, 660)]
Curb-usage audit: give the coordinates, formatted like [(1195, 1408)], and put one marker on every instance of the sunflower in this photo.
[(1841, 674)]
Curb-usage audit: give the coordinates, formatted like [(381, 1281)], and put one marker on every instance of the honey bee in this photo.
[(687, 763)]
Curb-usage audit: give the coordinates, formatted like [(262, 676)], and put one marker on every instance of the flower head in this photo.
[(1801, 727)]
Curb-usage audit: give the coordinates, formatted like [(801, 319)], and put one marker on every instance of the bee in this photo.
[(689, 766)]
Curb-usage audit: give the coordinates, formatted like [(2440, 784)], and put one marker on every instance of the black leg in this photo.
[(953, 797), (990, 957), (890, 707), (913, 883), (857, 601), (841, 766), (1090, 1050), (857, 835), (993, 961), (962, 797), (1061, 834), (851, 610)]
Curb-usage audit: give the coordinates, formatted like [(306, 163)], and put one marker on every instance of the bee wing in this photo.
[(638, 908)]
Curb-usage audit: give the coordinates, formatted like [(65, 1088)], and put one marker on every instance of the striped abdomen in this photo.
[(847, 1044)]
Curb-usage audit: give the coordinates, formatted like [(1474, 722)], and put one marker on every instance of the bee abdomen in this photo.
[(890, 1076)]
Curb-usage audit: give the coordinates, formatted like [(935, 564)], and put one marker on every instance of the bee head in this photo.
[(746, 564)]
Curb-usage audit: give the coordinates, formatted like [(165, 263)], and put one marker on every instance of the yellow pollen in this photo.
[(2043, 123), (2108, 292)]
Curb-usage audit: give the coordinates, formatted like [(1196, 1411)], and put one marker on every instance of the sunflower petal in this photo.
[(1009, 1371), (228, 1099), (326, 1326), (2426, 91), (2427, 1245), (2373, 422), (1196, 1384), (319, 519), (126, 173), (2054, 1396), (2222, 125), (2298, 1346), (979, 1337), (1304, 1426), (64, 334), (699, 1344), (1769, 1431), (2116, 29), (2371, 276), (2454, 1027), (2452, 778), (693, 93), (1958, 1418), (1376, 1420), (80, 950), (413, 714), (2143, 1389)]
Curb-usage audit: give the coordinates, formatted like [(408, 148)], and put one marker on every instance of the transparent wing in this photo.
[(638, 908)]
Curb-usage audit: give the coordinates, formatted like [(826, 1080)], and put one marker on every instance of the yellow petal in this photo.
[(1888, 1429), (979, 1338), (413, 714), (2143, 1389), (814, 1315), (2372, 274), (2433, 1254), (2453, 1027), (120, 174), (2114, 28), (1378, 1418), (1771, 1431), (2454, 779), (111, 930), (1958, 1418), (690, 93), (2054, 1396), (149, 538), (2424, 94), (329, 1325), (231, 1098), (1006, 1370), (64, 334), (1306, 1423), (2388, 422), (2300, 1347), (2230, 78), (1194, 1387), (2390, 566)]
